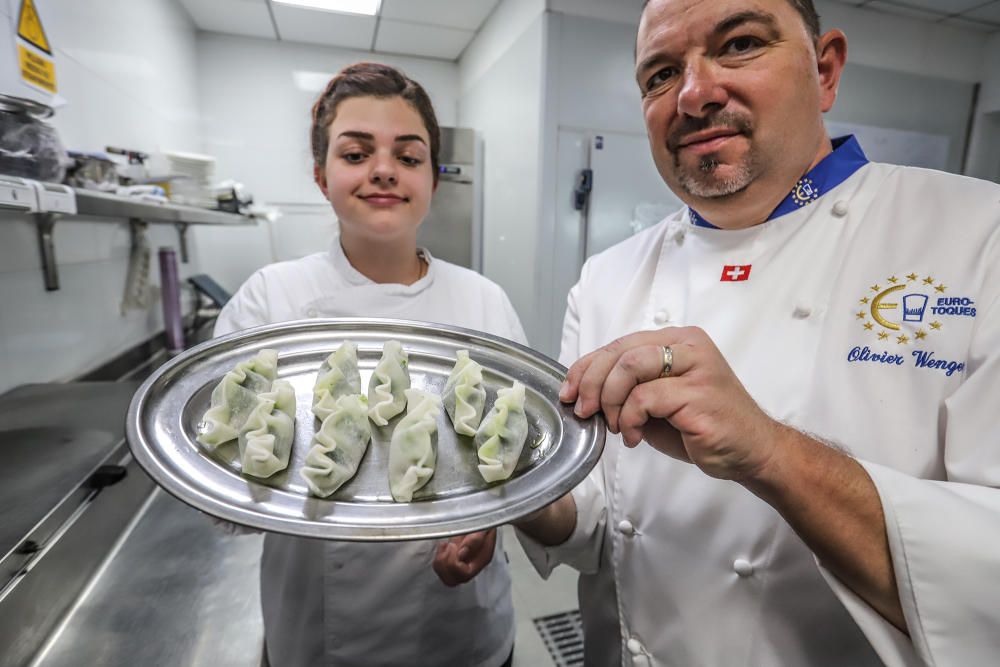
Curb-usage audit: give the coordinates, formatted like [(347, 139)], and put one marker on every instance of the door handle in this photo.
[(584, 184)]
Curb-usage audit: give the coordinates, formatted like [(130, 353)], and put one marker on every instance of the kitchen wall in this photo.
[(128, 71), (503, 96)]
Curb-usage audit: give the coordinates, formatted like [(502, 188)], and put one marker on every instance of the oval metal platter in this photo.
[(164, 416)]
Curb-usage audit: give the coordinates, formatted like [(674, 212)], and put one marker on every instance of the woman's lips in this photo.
[(383, 201)]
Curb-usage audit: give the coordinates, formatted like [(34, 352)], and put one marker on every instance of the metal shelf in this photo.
[(104, 205), (113, 208)]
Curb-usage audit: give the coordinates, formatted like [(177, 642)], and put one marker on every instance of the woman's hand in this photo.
[(460, 559)]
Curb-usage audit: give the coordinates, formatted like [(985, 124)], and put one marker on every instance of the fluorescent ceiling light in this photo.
[(366, 7)]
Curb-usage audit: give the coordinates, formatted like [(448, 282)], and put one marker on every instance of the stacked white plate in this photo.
[(192, 178)]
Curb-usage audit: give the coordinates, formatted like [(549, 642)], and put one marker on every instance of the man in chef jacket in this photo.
[(803, 366)]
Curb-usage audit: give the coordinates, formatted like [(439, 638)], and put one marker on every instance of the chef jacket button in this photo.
[(312, 312), (634, 647), (742, 567), (840, 209), (661, 317), (626, 528), (801, 312)]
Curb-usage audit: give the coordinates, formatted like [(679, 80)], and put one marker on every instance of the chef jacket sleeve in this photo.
[(582, 550), (247, 308), (944, 536)]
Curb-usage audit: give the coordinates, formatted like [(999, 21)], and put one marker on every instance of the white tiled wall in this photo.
[(513, 81), (128, 72)]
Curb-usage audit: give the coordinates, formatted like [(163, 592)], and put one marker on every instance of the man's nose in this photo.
[(702, 92), (383, 170)]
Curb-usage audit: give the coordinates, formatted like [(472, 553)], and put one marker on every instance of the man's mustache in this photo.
[(723, 119)]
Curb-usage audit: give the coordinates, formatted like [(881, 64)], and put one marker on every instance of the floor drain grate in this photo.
[(563, 635)]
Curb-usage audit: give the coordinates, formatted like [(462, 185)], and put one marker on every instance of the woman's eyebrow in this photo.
[(410, 137), (351, 134)]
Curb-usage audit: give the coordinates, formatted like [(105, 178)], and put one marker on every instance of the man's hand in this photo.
[(699, 412), (460, 559)]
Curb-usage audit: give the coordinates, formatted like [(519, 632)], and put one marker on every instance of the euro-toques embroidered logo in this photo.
[(805, 191), (910, 308)]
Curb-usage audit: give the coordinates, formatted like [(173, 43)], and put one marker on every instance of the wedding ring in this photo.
[(668, 361)]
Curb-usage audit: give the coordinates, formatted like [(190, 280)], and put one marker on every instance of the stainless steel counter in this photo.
[(176, 591), (96, 566)]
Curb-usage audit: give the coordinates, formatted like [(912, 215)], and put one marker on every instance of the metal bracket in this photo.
[(182, 230), (46, 222)]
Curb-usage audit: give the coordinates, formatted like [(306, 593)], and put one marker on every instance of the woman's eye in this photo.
[(410, 161), (742, 45), (353, 158), (660, 78)]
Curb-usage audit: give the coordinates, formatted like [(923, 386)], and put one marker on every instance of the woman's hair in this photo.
[(370, 80)]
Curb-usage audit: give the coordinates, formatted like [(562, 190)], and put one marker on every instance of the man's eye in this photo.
[(659, 78), (742, 45)]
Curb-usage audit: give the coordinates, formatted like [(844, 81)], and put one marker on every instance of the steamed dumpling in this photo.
[(502, 434), (389, 382), (464, 395), (412, 450), (338, 376), (266, 438), (338, 446), (235, 397)]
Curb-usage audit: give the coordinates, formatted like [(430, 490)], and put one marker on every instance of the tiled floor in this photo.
[(535, 597)]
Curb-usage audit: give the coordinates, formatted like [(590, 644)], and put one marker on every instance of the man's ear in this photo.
[(831, 54), (319, 176)]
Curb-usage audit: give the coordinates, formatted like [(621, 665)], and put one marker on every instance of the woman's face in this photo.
[(378, 172)]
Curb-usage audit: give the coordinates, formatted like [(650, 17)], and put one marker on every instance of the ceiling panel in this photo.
[(901, 10), (349, 31), (980, 26), (941, 6), (467, 14), (990, 12), (421, 40), (237, 17)]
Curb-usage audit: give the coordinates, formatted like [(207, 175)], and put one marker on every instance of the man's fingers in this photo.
[(657, 399), (635, 366), (568, 391)]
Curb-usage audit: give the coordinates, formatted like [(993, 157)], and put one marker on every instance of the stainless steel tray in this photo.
[(560, 451)]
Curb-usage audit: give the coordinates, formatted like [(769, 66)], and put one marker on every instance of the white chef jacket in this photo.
[(351, 604), (685, 570)]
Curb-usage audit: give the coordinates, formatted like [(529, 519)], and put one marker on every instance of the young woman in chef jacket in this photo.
[(375, 143)]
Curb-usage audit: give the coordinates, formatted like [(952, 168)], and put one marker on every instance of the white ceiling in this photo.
[(982, 15), (429, 28), (443, 28)]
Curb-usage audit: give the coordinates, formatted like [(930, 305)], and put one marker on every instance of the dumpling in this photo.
[(266, 438), (386, 390), (338, 376), (338, 446), (464, 395), (412, 450), (235, 397), (502, 434)]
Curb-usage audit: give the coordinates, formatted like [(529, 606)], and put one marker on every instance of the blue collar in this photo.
[(846, 158)]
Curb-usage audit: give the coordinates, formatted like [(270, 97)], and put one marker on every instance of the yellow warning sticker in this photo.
[(29, 27), (37, 69)]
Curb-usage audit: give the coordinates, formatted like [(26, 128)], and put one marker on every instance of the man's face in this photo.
[(731, 94)]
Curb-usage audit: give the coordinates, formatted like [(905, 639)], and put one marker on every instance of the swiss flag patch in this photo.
[(732, 273)]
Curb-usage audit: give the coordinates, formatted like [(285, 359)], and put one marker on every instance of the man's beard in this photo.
[(703, 181)]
